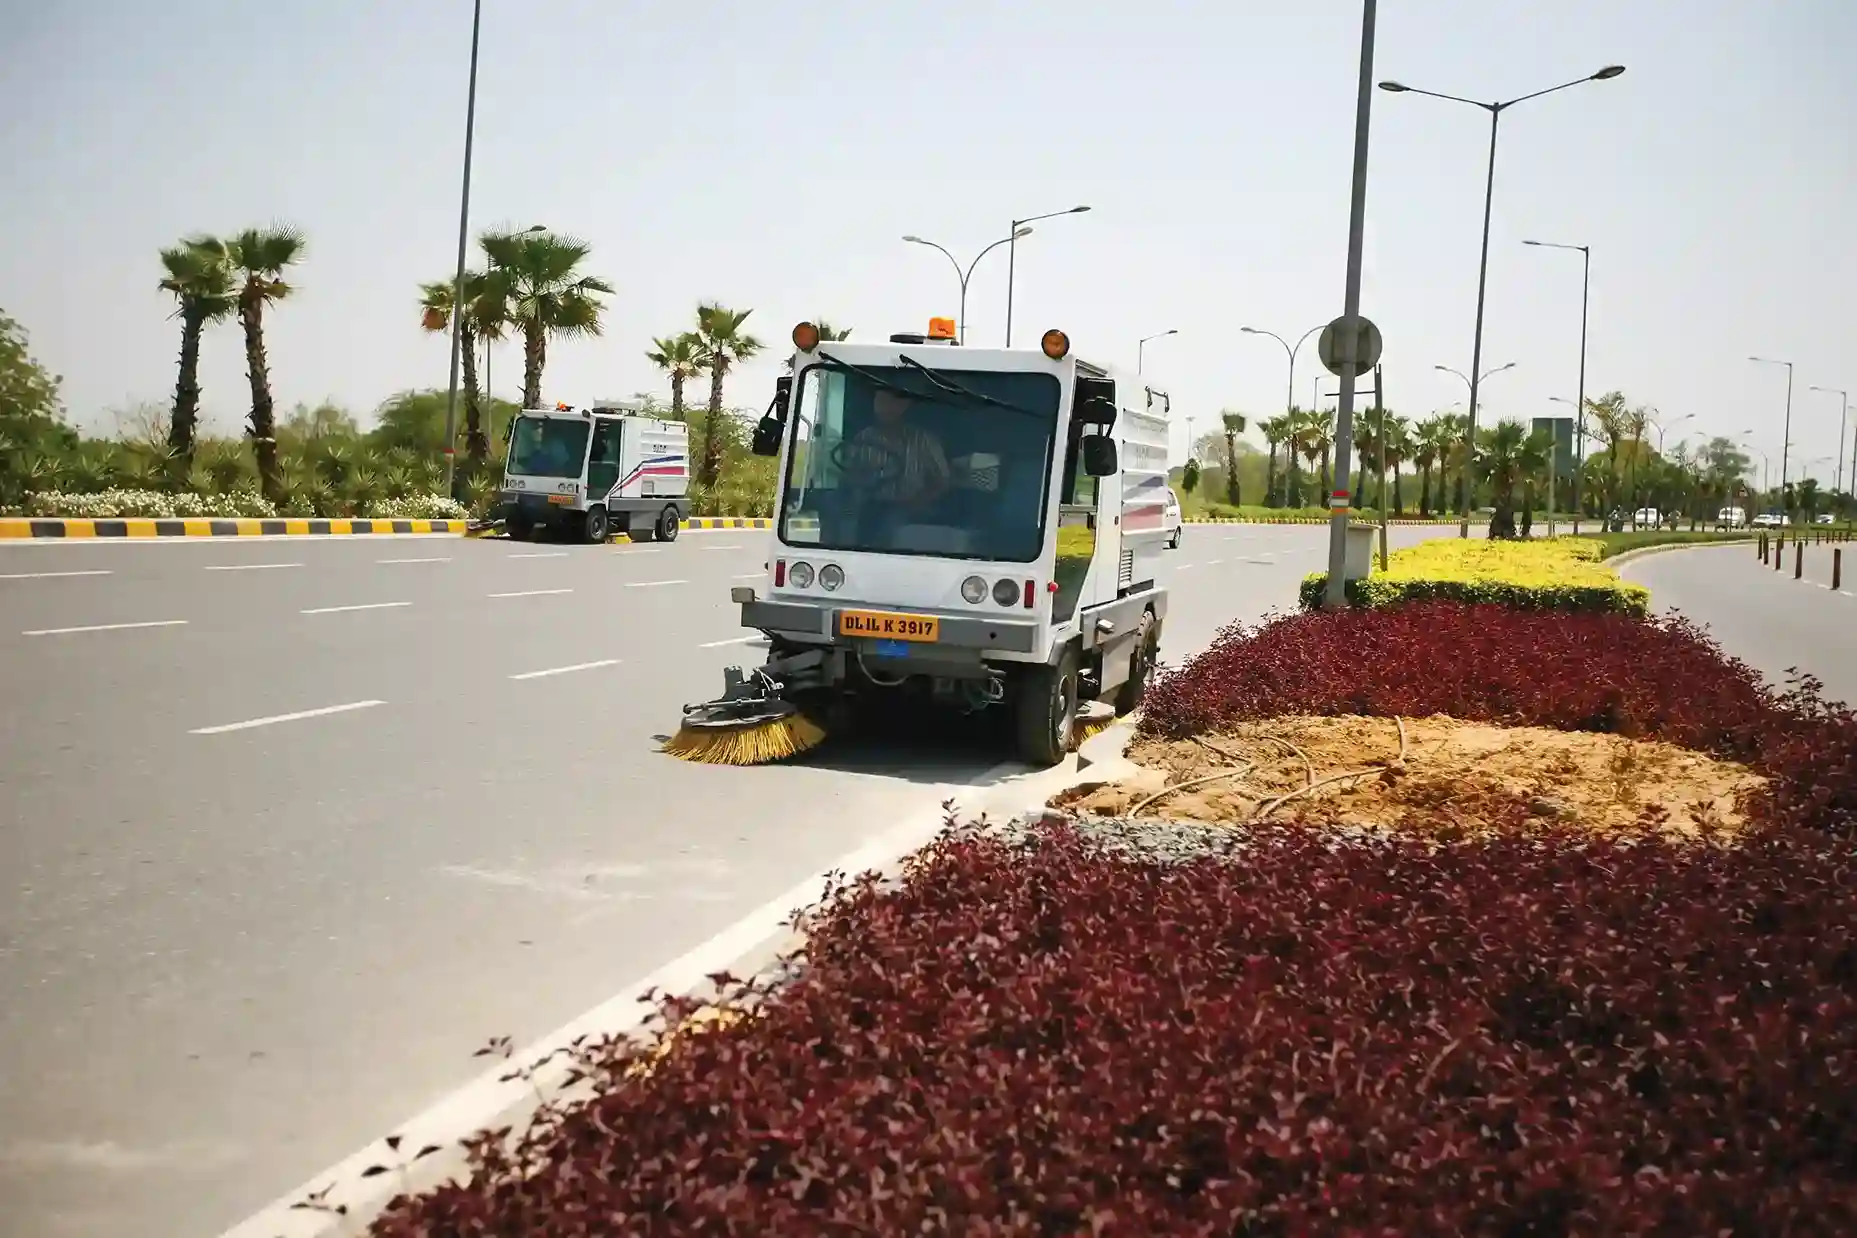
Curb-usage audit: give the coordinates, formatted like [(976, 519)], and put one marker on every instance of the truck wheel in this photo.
[(1141, 665), (669, 525), (1045, 713), (519, 530), (598, 526)]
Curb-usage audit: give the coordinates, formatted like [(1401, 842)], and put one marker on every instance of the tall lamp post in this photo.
[(1495, 111), (1766, 463), (1291, 351), (1142, 344), (1470, 438), (964, 275), (1579, 425), (1579, 464), (1012, 256), (457, 283), (1843, 418), (1786, 440)]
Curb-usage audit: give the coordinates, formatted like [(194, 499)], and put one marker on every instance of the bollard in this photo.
[(1760, 547), (1798, 560), (1837, 566), (1779, 550)]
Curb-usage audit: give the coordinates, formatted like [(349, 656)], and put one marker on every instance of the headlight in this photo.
[(1005, 592), (801, 575), (831, 575), (974, 590)]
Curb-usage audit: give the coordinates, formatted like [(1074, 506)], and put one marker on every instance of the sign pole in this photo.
[(1348, 356)]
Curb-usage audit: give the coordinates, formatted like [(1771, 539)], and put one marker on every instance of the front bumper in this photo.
[(817, 622), (533, 508)]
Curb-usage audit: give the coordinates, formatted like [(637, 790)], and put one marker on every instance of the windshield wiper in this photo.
[(835, 363), (952, 387)]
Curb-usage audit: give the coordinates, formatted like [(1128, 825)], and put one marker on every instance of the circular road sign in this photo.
[(1338, 345)]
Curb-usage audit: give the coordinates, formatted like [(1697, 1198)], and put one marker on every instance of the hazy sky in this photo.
[(772, 155)]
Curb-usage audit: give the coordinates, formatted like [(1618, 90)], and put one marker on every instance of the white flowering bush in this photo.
[(415, 507), (147, 504)]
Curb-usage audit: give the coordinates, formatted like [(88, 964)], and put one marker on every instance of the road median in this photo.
[(55, 528)]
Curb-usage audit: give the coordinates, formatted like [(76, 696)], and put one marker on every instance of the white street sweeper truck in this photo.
[(592, 472), (961, 527)]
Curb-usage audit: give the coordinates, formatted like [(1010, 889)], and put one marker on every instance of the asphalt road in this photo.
[(1762, 615), (289, 828)]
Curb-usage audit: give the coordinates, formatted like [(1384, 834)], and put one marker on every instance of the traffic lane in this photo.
[(1761, 616)]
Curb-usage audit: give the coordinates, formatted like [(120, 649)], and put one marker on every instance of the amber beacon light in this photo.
[(941, 329), (805, 337), (1056, 344)]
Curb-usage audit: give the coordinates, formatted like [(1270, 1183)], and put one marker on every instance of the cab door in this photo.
[(603, 457)]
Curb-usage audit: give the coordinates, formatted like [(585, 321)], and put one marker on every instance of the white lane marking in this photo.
[(247, 567), (539, 554), (482, 1101), (48, 575), (1259, 559), (106, 627), (567, 670), (428, 559), (247, 725), (733, 640), (644, 550), (1214, 562), (652, 584), (336, 610), (1181, 567), (529, 593), (750, 575), (730, 546)]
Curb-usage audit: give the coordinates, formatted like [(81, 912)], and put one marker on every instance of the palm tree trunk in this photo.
[(1528, 510), (1425, 492), (711, 464), (1399, 503), (534, 358), (263, 427), (184, 423), (676, 395), (1270, 480), (1231, 469), (1328, 485), (476, 442)]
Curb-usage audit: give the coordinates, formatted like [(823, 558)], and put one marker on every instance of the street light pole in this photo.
[(1843, 417), (1495, 111), (1142, 344), (457, 284), (965, 275), (1464, 485), (1012, 256), (1335, 595), (1787, 441), (1292, 351), (1579, 428)]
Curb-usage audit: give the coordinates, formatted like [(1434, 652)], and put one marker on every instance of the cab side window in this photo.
[(603, 459)]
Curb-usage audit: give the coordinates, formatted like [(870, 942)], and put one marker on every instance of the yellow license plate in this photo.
[(881, 625), (566, 500)]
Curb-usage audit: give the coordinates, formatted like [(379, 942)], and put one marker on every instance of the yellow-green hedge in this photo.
[(1542, 574)]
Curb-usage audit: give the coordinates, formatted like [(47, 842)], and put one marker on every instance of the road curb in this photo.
[(1630, 556), (1440, 524), (55, 528), (754, 946), (729, 522)]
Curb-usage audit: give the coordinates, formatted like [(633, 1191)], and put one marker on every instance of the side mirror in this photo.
[(1094, 402), (1099, 456), (773, 423)]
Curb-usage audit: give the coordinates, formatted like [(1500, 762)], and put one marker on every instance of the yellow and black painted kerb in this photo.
[(728, 522), (18, 527)]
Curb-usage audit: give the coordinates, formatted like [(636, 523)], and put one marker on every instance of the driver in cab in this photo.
[(908, 468)]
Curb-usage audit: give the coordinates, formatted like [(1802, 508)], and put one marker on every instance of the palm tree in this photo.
[(483, 318), (1316, 438), (1367, 446), (1431, 448), (721, 343), (261, 256), (1233, 425), (547, 295), (680, 357), (199, 275), (1399, 448), (1536, 462), (1276, 431), (1611, 424), (1501, 461)]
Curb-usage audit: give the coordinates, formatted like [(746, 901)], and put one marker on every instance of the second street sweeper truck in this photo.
[(592, 472), (957, 527)]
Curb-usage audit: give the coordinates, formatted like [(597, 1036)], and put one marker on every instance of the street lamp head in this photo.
[(1019, 232), (1531, 242), (1078, 210), (1171, 331), (1395, 87), (915, 240), (1608, 73), (536, 228), (1499, 369), (1445, 368)]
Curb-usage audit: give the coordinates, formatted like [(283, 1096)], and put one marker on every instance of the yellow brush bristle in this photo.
[(1090, 728), (752, 745)]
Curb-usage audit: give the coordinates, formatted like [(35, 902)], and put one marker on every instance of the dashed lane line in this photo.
[(529, 593), (248, 567), (51, 575), (567, 670), (107, 627), (337, 610), (652, 584), (274, 719)]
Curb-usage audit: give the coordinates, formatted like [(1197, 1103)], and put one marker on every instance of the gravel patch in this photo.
[(1146, 839)]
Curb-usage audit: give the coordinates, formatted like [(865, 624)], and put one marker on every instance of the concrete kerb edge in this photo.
[(1630, 556), (164, 528), (753, 947)]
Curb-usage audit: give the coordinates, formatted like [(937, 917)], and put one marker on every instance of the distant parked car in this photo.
[(1646, 517), (1731, 518), (1171, 521), (1770, 520), (1825, 518)]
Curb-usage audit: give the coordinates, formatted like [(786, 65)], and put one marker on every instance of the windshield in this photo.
[(887, 460), (548, 446)]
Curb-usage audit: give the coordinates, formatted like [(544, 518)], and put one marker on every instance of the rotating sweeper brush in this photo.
[(749, 724)]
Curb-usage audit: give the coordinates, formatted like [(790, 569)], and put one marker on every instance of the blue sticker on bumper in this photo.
[(892, 649)]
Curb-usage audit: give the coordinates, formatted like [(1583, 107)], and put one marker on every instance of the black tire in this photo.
[(1175, 543), (598, 527), (519, 530), (1045, 713), (1141, 666), (670, 524)]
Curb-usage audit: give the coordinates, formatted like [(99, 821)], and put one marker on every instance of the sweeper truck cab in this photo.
[(971, 528), (589, 473)]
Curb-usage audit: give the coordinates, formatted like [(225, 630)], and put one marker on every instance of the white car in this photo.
[(1769, 520), (1825, 518), (1171, 523)]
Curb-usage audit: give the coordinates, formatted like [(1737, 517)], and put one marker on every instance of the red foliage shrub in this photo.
[(1502, 1038), (1656, 679)]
